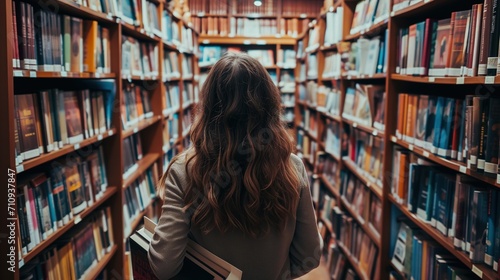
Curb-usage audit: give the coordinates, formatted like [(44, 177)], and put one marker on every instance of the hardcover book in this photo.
[(441, 48)]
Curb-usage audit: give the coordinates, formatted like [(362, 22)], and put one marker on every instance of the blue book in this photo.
[(426, 198), (445, 131), (437, 123), (461, 122), (490, 227)]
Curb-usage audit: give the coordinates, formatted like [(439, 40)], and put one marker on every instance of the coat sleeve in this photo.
[(168, 246), (305, 250)]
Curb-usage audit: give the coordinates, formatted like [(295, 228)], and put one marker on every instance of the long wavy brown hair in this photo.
[(239, 171)]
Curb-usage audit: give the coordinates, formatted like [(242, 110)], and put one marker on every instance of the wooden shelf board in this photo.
[(254, 15), (137, 220), (300, 16), (19, 73), (371, 31), (142, 124), (448, 80), (368, 129), (203, 14), (403, 277), (110, 190), (241, 40), (142, 165), (330, 116), (140, 78), (376, 76), (362, 222), (328, 48), (373, 186), (329, 186), (138, 32), (327, 224), (419, 8), (446, 242), (71, 8), (43, 158), (101, 264), (170, 46), (451, 164), (354, 263)]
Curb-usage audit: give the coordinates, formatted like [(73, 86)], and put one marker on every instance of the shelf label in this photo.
[(110, 132), (77, 219), (489, 79), (355, 125), (463, 169), (410, 147), (135, 130), (20, 168), (394, 139), (18, 73), (426, 154), (375, 132), (76, 146), (427, 1), (21, 263), (109, 16), (460, 80), (303, 15), (246, 42), (64, 74), (477, 271), (99, 137), (392, 13), (432, 79), (97, 75), (32, 74), (201, 14), (261, 42)]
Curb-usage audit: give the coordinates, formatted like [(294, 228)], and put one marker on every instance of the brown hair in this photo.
[(240, 174)]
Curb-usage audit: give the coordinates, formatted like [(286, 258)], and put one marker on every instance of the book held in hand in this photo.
[(199, 263)]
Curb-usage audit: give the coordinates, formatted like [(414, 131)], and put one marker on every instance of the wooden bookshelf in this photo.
[(361, 274), (361, 221), (110, 191), (149, 130)]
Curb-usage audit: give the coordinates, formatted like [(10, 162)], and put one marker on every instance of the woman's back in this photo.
[(238, 191)]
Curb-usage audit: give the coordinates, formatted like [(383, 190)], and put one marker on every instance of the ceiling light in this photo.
[(257, 3)]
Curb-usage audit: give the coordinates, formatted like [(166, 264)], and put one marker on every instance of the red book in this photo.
[(426, 53)]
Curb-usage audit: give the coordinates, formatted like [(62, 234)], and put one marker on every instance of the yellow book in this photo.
[(90, 46)]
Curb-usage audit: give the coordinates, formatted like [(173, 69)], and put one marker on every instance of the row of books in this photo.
[(169, 134), (338, 264), (332, 140), (361, 200), (332, 65), (368, 13), (334, 26), (58, 43), (211, 54), (293, 26), (213, 25), (367, 56), (136, 105), (187, 120), (172, 98), (352, 237), (74, 257), (188, 94), (213, 8), (309, 122), (288, 115), (48, 201), (138, 196), (132, 153), (48, 120), (171, 69), (329, 168), (286, 58), (287, 81), (328, 99), (456, 205), (294, 8), (245, 7), (139, 58), (364, 104), (288, 100), (464, 45), (418, 256), (249, 27), (366, 152), (168, 156), (306, 146), (453, 128)]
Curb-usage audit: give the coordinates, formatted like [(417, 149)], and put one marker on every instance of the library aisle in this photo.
[(392, 105)]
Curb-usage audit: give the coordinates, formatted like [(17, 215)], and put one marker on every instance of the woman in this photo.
[(239, 192)]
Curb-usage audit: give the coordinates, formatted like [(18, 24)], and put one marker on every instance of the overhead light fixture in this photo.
[(257, 3)]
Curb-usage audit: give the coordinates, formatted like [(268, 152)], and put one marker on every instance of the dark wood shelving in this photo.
[(71, 8), (368, 129), (485, 272), (329, 186), (138, 32), (478, 80), (451, 164), (137, 220), (327, 224), (66, 149), (95, 271), (354, 264), (329, 116), (371, 31), (139, 78), (142, 165), (110, 190), (367, 181), (362, 222), (141, 125), (19, 73)]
